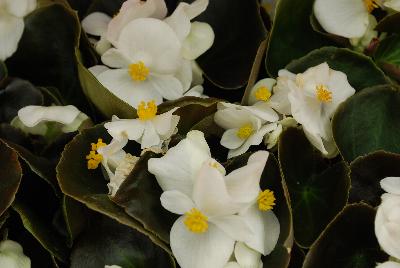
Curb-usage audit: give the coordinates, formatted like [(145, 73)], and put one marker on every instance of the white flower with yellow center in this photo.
[(243, 128), (347, 18), (12, 14), (149, 129), (314, 97), (12, 255)]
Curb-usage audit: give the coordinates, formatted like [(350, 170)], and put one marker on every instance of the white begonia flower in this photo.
[(363, 42), (388, 264), (12, 25), (281, 91), (245, 257), (314, 97), (12, 255), (387, 220), (243, 128), (147, 58), (149, 129), (343, 17), (33, 119), (272, 138)]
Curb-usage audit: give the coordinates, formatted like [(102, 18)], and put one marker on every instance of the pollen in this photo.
[(262, 93), (323, 94), (196, 221), (266, 200), (147, 111), (245, 131), (371, 5), (138, 71), (94, 158)]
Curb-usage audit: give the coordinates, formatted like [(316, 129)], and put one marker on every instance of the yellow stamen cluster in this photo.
[(323, 94), (262, 93), (196, 221), (245, 131), (147, 111), (266, 200), (371, 5), (138, 71), (93, 158)]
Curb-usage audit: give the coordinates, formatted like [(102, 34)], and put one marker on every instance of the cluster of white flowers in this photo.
[(226, 218), (308, 98), (148, 56), (387, 221)]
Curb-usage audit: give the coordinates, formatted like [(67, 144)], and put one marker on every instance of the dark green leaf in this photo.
[(318, 190), (387, 56), (368, 122), (349, 241), (292, 35), (389, 24), (361, 71), (3, 72), (74, 216)]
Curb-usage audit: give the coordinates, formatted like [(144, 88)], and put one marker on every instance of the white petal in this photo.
[(20, 8), (177, 169), (231, 140), (265, 227), (115, 59), (150, 137), (33, 115), (166, 85), (263, 111), (98, 69), (197, 74), (113, 153), (199, 40), (232, 118), (12, 256), (164, 123), (176, 202), (74, 125), (234, 226), (154, 39), (342, 17), (391, 185), (388, 264), (392, 4), (185, 74), (102, 45), (11, 29), (266, 82), (243, 184), (196, 91), (96, 23), (179, 22), (210, 249), (118, 82), (246, 257), (131, 128), (232, 264)]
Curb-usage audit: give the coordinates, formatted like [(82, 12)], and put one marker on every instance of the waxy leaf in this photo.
[(348, 241), (387, 56), (3, 72), (389, 24), (368, 122), (318, 190), (74, 216), (361, 71)]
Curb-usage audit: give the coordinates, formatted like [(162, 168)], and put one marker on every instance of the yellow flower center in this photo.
[(262, 93), (266, 200), (245, 131), (93, 158), (138, 71), (147, 111), (370, 5), (323, 94), (196, 221)]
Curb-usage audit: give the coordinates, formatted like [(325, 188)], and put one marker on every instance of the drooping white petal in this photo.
[(231, 140), (154, 39), (263, 111), (327, 146), (120, 129), (342, 17), (185, 74), (176, 202), (118, 82), (231, 118), (279, 99), (246, 257), (113, 153), (266, 82), (164, 123), (115, 59), (391, 185), (102, 45), (33, 115), (200, 39), (122, 171), (234, 226), (210, 249), (74, 125), (166, 85), (177, 169), (150, 137), (96, 23), (11, 29)]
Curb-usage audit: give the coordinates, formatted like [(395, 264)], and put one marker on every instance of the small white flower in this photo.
[(12, 24), (387, 220), (245, 257), (149, 129), (34, 119), (12, 255)]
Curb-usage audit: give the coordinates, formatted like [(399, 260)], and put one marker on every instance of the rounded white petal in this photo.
[(118, 82), (234, 226), (74, 125), (388, 264), (98, 69), (266, 82), (120, 129), (166, 85), (177, 169), (342, 17), (279, 99), (12, 256), (115, 59), (20, 8), (176, 202), (165, 123), (232, 118), (185, 74), (263, 111), (150, 137), (210, 249), (153, 42), (199, 40), (391, 185), (113, 154), (96, 23), (33, 115), (11, 29), (392, 4), (102, 45), (246, 257), (231, 140)]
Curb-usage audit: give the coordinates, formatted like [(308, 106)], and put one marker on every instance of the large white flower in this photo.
[(12, 14), (387, 220), (12, 255), (149, 129), (347, 18)]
